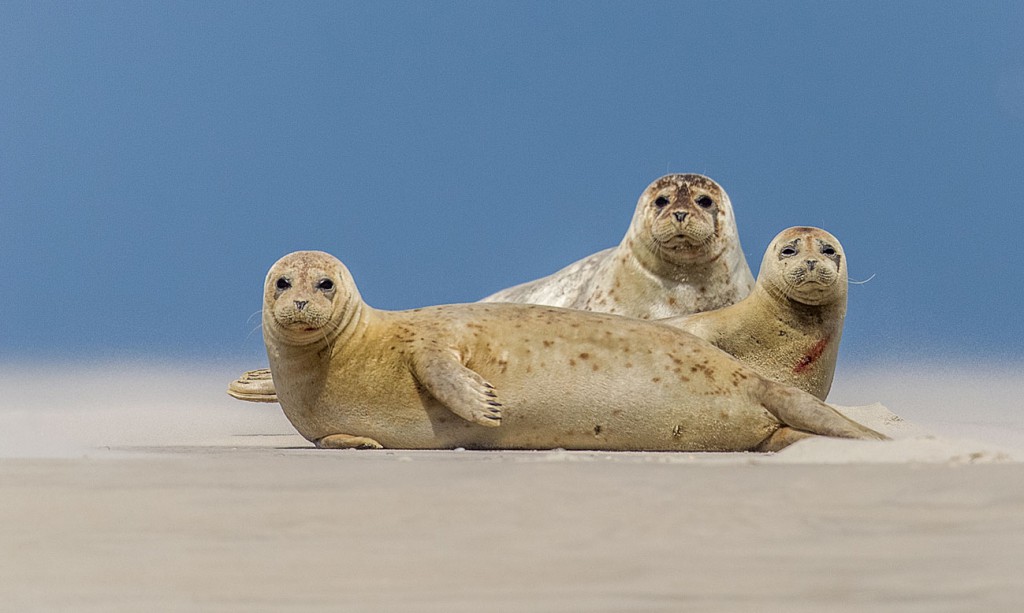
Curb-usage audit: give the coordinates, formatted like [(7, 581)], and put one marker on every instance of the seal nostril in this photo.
[(679, 215), (300, 304), (810, 264)]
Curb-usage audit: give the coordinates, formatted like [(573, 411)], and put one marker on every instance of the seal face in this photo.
[(508, 376), (681, 255), (807, 267), (302, 302), (788, 329), (677, 221)]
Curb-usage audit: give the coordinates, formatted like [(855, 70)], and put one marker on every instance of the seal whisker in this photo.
[(258, 312), (259, 326)]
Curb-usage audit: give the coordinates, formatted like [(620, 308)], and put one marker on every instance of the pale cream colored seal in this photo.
[(508, 376), (680, 255), (789, 328)]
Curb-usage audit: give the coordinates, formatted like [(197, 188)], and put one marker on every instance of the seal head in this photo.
[(805, 265), (681, 219), (309, 297)]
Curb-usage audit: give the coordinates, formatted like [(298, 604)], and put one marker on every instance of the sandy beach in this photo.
[(125, 494)]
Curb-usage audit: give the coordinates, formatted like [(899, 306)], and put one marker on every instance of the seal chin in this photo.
[(299, 325), (682, 248), (814, 292)]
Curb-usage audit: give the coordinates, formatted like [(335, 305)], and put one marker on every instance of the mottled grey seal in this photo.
[(510, 376), (680, 255), (789, 328)]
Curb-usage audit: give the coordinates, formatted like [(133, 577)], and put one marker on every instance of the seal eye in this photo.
[(705, 202), (283, 283), (788, 251), (828, 250), (660, 201), (325, 284)]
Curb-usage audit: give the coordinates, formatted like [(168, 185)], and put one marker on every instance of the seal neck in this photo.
[(799, 314), (723, 266)]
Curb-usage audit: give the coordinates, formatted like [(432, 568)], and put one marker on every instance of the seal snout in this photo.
[(300, 304), (679, 215)]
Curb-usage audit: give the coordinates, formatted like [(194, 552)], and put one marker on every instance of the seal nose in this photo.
[(300, 304), (679, 215), (811, 263)]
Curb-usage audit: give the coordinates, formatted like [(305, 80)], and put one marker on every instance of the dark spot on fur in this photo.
[(656, 380), (597, 429), (584, 356), (548, 343), (572, 362), (594, 367)]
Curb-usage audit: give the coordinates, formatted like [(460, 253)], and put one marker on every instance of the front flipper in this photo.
[(464, 392), (347, 441), (254, 386)]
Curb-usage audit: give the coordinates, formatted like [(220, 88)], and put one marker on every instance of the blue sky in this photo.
[(157, 158)]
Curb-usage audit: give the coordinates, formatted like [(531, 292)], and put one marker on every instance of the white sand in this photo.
[(112, 499)]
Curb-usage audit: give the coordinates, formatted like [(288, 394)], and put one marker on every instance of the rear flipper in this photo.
[(254, 386), (801, 411)]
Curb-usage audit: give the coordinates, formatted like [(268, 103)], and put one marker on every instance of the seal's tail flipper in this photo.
[(802, 411), (254, 386)]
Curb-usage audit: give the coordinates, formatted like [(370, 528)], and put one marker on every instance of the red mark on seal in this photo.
[(813, 354)]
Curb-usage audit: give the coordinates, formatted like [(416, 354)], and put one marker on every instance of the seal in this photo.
[(680, 255), (788, 329), (511, 376)]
